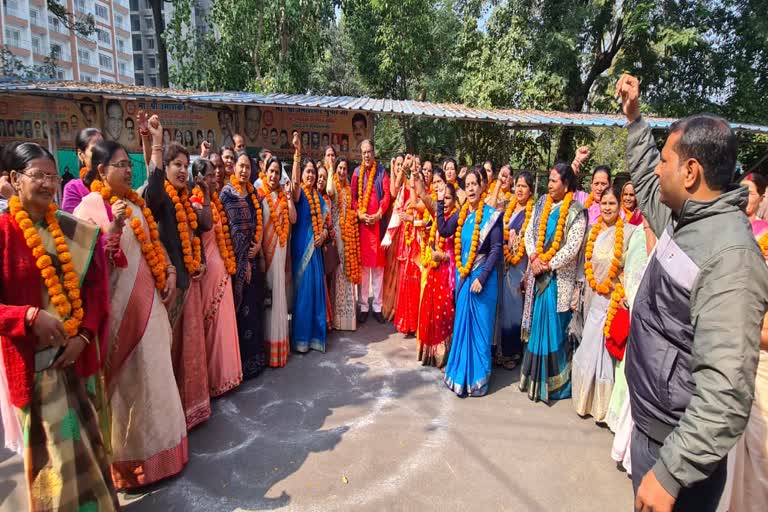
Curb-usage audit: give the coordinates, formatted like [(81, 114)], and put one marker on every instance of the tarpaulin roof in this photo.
[(510, 117)]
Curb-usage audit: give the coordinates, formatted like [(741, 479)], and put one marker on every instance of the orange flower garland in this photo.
[(221, 236), (363, 200), (590, 200), (278, 212), (616, 297), (65, 297), (151, 248), (559, 231), (350, 233), (259, 228), (604, 287), (186, 221), (514, 259), (465, 269), (763, 243), (314, 209), (438, 241), (230, 260)]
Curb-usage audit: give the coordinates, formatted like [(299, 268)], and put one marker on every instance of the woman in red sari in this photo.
[(54, 307), (437, 311), (408, 255)]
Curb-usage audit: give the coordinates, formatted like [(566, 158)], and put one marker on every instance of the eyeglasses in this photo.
[(53, 179), (126, 164)]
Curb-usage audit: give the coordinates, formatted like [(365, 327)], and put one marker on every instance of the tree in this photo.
[(14, 67), (82, 24)]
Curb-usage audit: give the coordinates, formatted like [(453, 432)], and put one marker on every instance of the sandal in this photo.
[(510, 364)]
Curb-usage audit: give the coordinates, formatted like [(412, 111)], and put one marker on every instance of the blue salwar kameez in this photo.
[(309, 313), (511, 306), (468, 370)]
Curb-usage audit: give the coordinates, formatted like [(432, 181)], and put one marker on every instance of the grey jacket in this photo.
[(696, 320)]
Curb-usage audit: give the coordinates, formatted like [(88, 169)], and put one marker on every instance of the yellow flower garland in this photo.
[(350, 233), (221, 236), (280, 220), (559, 231), (363, 200), (509, 258), (230, 262), (604, 287), (436, 239), (249, 190), (65, 296), (186, 221), (465, 269), (314, 209), (152, 249)]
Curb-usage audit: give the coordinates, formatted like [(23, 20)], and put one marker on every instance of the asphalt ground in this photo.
[(366, 427)]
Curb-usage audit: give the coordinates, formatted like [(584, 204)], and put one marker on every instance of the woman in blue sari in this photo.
[(243, 210), (309, 234), (468, 371), (553, 240), (517, 216)]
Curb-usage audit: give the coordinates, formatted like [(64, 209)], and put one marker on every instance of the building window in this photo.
[(36, 44), (152, 81), (134, 5), (55, 49), (137, 43), (85, 77), (138, 62), (121, 45), (105, 61), (84, 55), (119, 20), (104, 37), (80, 5), (101, 12), (12, 8), (151, 62), (150, 43), (13, 37), (139, 79), (122, 68), (135, 24), (34, 16), (60, 74), (149, 22)]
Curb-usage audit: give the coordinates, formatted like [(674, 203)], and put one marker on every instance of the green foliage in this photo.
[(83, 25), (14, 67)]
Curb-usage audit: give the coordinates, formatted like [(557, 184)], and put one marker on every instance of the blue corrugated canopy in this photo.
[(510, 117)]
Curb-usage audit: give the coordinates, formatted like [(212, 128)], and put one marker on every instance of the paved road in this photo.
[(366, 427)]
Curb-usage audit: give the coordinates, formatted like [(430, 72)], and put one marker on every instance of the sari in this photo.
[(248, 295), (437, 310), (546, 366), (619, 416), (343, 293), (593, 366), (149, 431), (468, 371), (225, 370), (185, 307), (276, 321), (511, 304), (66, 461), (391, 243), (409, 276), (309, 327)]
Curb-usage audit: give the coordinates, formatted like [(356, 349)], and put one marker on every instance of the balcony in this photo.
[(14, 11)]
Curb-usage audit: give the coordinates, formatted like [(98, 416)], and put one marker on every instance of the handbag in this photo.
[(616, 341), (331, 259)]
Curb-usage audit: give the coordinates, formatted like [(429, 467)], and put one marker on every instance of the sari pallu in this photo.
[(546, 366), (468, 370), (148, 430), (391, 246), (225, 370), (409, 278), (309, 306), (277, 311), (65, 455), (249, 296), (437, 311), (511, 304), (343, 293)]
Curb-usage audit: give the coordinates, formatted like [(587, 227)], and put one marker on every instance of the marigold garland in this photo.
[(278, 212), (559, 231), (509, 258), (439, 242), (590, 200), (314, 209), (259, 228), (763, 243), (363, 200), (350, 233), (230, 248), (222, 237), (186, 221), (151, 248), (69, 305), (616, 297), (606, 285), (465, 269)]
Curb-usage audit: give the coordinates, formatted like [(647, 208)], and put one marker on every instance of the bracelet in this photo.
[(170, 270), (158, 147), (84, 337), (33, 318)]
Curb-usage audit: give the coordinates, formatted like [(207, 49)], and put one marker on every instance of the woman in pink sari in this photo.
[(221, 340), (149, 435)]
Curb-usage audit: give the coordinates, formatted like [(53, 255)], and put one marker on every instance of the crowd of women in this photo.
[(154, 301)]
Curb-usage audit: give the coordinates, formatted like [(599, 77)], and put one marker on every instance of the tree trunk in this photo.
[(162, 51)]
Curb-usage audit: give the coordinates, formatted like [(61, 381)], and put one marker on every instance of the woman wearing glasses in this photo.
[(51, 338), (139, 374)]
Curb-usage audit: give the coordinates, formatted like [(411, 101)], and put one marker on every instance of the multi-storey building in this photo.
[(31, 32), (146, 62)]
